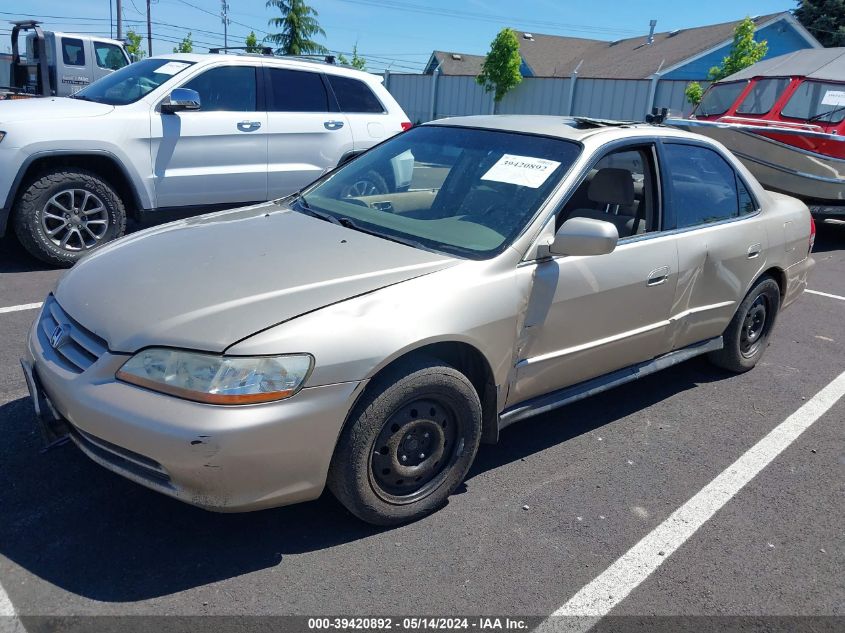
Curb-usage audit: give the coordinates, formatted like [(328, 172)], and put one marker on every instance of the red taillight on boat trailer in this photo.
[(407, 125), (812, 234)]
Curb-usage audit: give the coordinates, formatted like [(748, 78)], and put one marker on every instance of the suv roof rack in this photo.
[(264, 50)]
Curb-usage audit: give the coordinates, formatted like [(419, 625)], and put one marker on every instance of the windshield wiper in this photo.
[(302, 203), (349, 223), (822, 115)]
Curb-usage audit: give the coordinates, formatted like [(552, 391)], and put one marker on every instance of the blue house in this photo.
[(684, 54)]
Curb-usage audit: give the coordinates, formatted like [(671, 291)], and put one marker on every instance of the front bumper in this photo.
[(228, 459)]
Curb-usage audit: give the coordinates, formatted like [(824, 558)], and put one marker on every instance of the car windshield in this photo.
[(466, 192), (133, 82), (719, 98)]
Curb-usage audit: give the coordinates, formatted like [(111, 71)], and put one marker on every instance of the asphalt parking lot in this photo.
[(541, 516)]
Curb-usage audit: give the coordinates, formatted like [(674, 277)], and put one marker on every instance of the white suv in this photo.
[(181, 134)]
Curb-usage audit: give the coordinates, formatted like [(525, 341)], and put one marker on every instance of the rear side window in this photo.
[(704, 187), (73, 52), (296, 91), (226, 88), (354, 95), (762, 96), (109, 56)]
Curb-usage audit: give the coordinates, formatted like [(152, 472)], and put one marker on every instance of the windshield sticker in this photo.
[(171, 68), (521, 170), (834, 98)]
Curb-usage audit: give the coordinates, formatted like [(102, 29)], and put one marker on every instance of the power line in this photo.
[(487, 17)]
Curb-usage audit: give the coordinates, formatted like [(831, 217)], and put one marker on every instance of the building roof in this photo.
[(631, 58), (824, 63)]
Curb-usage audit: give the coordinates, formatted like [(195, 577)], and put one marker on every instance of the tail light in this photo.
[(407, 125), (812, 234)]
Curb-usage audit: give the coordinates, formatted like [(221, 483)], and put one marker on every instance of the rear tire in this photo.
[(747, 335), (408, 443), (65, 214)]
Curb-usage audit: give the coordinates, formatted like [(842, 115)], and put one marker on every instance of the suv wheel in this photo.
[(368, 184), (64, 215), (747, 335), (408, 444)]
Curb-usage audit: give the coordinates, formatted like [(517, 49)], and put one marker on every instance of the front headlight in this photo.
[(217, 379)]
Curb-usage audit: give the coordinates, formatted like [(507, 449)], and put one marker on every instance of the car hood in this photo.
[(41, 109), (206, 283)]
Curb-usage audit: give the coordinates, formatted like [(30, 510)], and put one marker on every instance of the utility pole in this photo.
[(119, 19), (149, 32), (224, 16)]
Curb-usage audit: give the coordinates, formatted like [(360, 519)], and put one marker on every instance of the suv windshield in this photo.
[(133, 82), (719, 98), (467, 192)]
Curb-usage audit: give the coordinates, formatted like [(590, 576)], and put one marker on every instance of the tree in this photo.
[(356, 62), (825, 19), (251, 42), (185, 46), (134, 46), (298, 24), (745, 51), (500, 71)]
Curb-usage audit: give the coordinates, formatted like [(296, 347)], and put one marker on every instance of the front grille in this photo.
[(77, 348)]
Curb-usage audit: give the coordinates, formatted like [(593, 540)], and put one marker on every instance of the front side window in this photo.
[(703, 187), (132, 82), (460, 191), (109, 56), (73, 51), (763, 95), (817, 101), (354, 95), (226, 88), (297, 91), (720, 97)]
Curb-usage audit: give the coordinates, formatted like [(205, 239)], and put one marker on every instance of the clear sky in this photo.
[(399, 34)]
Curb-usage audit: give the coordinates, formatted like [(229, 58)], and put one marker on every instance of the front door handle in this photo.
[(754, 250), (249, 126), (333, 125), (658, 276)]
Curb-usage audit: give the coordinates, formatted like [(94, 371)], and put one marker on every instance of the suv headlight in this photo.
[(217, 379)]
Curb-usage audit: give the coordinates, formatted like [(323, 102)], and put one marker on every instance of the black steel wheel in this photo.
[(746, 337), (408, 443)]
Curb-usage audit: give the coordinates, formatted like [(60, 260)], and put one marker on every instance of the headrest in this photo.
[(612, 185)]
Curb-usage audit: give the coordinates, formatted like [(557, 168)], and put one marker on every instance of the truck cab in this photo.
[(72, 61)]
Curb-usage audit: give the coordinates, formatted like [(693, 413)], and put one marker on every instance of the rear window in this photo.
[(719, 98), (73, 52), (817, 100), (354, 95), (763, 95), (297, 91)]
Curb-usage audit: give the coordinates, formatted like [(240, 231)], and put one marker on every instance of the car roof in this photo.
[(569, 128), (287, 62)]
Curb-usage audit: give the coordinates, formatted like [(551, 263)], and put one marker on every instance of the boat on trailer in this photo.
[(784, 118)]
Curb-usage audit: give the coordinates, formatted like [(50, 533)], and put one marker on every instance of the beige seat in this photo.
[(613, 188)]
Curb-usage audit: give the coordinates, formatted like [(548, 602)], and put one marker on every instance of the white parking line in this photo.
[(23, 306), (596, 599), (825, 294), (9, 622)]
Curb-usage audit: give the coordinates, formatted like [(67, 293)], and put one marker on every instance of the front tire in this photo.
[(408, 444), (747, 335), (65, 214)]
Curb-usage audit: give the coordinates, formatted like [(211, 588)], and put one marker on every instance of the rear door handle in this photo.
[(658, 276), (333, 125), (754, 250), (249, 126)]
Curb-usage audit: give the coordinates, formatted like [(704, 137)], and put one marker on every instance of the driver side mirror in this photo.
[(181, 99), (584, 236)]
